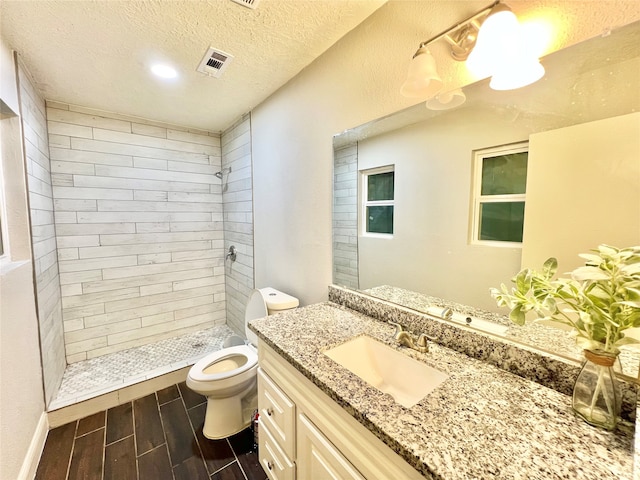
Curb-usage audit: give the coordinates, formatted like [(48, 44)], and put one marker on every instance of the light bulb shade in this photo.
[(502, 52), (499, 35), (447, 100), (422, 79), (517, 75)]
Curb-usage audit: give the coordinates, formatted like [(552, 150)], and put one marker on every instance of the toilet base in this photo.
[(228, 416)]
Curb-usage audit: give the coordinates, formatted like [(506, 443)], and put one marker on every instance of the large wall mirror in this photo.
[(579, 127)]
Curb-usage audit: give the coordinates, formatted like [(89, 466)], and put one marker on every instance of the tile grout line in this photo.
[(119, 440), (227, 465), (104, 446), (73, 447), (164, 434), (104, 443), (186, 411), (88, 433), (135, 439), (154, 448), (237, 460)]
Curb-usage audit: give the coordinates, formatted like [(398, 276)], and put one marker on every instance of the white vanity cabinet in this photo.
[(277, 413), (276, 442), (273, 460), (304, 434), (318, 457)]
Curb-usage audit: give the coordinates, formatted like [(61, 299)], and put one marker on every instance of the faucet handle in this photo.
[(399, 328), (447, 313), (423, 342)]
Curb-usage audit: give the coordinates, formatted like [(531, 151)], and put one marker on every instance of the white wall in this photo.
[(8, 89), (21, 393), (347, 86), (430, 250)]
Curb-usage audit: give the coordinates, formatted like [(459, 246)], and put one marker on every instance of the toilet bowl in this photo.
[(227, 377)]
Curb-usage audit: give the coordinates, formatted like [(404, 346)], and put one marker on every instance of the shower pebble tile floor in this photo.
[(97, 376)]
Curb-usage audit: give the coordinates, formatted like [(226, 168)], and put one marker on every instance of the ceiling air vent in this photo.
[(214, 62), (253, 4)]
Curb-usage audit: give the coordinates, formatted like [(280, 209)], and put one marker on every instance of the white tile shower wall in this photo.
[(238, 218), (139, 229), (345, 216), (49, 304)]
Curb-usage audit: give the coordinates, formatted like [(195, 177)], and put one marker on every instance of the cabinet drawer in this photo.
[(277, 413), (272, 459)]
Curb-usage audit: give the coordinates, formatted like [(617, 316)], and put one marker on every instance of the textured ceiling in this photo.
[(98, 53)]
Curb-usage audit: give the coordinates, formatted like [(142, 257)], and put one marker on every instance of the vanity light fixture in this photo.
[(502, 52), (492, 43), (447, 100), (423, 79)]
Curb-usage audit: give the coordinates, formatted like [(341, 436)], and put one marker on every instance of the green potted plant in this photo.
[(600, 301)]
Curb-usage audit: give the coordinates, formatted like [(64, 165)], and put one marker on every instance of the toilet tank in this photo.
[(273, 301), (278, 301)]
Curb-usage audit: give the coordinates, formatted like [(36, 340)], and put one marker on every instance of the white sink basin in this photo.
[(407, 380)]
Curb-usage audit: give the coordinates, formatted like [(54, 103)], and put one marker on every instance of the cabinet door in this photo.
[(318, 458)]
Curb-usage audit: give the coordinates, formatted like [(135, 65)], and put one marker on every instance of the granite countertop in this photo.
[(543, 336), (481, 423)]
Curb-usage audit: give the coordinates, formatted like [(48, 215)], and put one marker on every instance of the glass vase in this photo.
[(596, 393)]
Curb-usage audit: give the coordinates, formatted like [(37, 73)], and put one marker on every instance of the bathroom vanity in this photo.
[(481, 422), (303, 434)]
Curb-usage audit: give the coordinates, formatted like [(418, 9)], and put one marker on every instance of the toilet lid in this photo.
[(224, 363), (256, 308)]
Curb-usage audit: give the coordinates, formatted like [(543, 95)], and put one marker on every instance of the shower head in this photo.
[(218, 174)]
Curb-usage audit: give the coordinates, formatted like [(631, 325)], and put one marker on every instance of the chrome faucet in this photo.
[(404, 338)]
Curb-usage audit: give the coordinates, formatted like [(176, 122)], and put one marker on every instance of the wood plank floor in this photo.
[(157, 437)]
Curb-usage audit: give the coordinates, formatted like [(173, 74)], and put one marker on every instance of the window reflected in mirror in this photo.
[(500, 186), (379, 200)]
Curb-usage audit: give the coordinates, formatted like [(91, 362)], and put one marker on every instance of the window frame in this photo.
[(478, 199), (364, 203)]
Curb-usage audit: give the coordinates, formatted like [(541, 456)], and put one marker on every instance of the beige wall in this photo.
[(347, 86), (21, 394), (602, 161)]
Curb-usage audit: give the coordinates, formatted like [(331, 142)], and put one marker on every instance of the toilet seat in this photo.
[(225, 363)]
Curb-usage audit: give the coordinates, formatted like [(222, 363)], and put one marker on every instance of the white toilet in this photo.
[(228, 377)]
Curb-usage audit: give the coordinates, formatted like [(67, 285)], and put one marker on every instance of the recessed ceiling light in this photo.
[(164, 71)]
